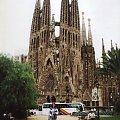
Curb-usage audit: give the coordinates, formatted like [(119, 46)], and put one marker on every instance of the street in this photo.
[(60, 117)]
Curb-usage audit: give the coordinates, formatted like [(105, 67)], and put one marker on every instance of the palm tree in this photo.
[(111, 69), (112, 64)]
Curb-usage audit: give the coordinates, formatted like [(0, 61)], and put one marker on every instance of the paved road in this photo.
[(60, 117)]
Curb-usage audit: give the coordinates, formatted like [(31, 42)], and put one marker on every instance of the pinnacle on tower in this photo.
[(64, 17), (53, 18), (112, 46), (83, 30), (45, 22), (116, 45), (75, 24), (37, 5), (52, 24), (103, 50), (36, 18), (75, 20), (89, 33), (46, 13)]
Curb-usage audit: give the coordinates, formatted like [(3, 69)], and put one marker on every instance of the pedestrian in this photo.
[(91, 115), (58, 109), (53, 112)]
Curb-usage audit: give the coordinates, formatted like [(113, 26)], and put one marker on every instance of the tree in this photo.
[(117, 106), (112, 63), (17, 86)]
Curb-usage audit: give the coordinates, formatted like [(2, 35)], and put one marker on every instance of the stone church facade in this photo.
[(63, 66)]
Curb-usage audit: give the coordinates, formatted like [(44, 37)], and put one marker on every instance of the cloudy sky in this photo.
[(16, 18)]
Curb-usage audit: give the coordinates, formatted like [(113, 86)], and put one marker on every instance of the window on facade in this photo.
[(97, 103), (41, 49), (34, 44), (63, 39), (77, 68), (73, 40), (37, 43), (76, 77), (76, 41), (68, 37), (88, 103), (42, 34), (63, 31), (32, 41), (93, 103)]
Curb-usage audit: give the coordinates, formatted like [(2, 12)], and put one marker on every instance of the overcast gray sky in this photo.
[(16, 18)]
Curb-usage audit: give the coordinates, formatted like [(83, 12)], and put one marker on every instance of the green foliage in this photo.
[(101, 71), (111, 64), (112, 61), (110, 118), (117, 106), (17, 86)]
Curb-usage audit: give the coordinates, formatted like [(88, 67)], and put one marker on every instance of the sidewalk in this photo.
[(60, 117)]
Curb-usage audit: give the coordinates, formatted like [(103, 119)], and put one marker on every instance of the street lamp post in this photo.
[(97, 86)]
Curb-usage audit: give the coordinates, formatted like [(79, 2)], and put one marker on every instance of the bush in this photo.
[(80, 114), (21, 114), (117, 106)]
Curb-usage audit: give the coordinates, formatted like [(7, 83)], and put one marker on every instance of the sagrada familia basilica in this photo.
[(64, 66)]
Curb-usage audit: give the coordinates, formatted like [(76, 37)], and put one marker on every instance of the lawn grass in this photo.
[(110, 118)]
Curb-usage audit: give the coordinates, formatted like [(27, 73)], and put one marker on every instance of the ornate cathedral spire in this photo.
[(89, 33), (65, 22), (36, 18), (45, 22), (75, 25), (75, 20), (37, 5), (103, 50), (83, 30), (112, 46), (46, 13), (65, 10)]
